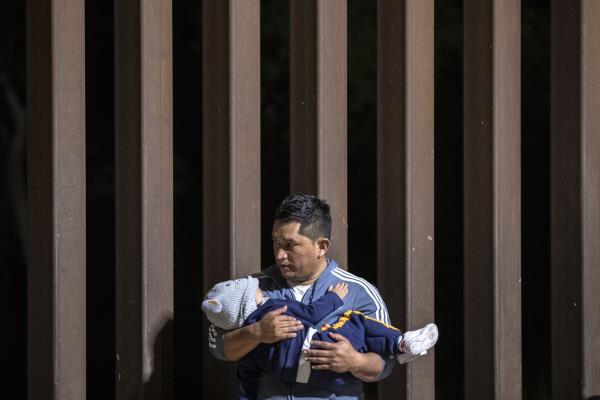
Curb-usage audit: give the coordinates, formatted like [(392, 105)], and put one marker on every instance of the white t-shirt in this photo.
[(299, 291)]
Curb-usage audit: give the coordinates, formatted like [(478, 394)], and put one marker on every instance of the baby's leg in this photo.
[(382, 338), (366, 334)]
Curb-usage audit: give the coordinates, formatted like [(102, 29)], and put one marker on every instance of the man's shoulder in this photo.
[(353, 281), (269, 279), (265, 273), (366, 297)]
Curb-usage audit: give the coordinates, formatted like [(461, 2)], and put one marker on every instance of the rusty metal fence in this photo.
[(318, 164)]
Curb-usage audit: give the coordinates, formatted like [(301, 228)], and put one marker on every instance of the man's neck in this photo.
[(313, 278)]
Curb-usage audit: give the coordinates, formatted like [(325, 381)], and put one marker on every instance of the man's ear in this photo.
[(323, 245)]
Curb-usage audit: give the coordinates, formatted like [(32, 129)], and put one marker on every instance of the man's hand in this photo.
[(338, 357), (342, 357), (275, 326)]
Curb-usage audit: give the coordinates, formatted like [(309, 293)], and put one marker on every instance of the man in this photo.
[(301, 238)]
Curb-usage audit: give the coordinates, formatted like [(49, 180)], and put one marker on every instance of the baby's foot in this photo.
[(416, 343)]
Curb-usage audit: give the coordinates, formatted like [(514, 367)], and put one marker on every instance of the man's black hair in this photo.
[(311, 212)]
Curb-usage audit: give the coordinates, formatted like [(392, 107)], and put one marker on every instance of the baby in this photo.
[(232, 304)]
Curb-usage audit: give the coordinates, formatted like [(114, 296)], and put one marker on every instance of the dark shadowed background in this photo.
[(275, 154)]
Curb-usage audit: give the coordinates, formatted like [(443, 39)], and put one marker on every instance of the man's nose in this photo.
[(280, 254)]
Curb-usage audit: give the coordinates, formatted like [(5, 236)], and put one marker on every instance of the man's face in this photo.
[(299, 258)]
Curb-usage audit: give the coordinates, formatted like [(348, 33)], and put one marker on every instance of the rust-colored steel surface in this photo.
[(492, 199), (590, 191), (405, 179), (231, 151), (56, 248), (318, 109), (144, 200), (575, 199)]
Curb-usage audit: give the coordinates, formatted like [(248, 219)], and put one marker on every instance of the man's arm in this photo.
[(239, 342), (370, 368), (235, 344), (342, 357)]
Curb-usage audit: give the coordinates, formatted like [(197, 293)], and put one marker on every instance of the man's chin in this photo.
[(286, 272)]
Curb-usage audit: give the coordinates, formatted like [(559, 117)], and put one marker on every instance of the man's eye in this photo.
[(285, 245)]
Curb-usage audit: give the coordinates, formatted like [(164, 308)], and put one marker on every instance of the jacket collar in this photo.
[(319, 287), (324, 280)]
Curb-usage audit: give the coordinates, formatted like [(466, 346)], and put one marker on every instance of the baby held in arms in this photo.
[(236, 303)]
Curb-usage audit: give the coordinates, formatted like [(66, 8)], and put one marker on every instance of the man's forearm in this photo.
[(272, 327), (239, 342), (369, 368)]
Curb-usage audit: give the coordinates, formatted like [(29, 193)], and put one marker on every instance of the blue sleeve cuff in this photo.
[(388, 367)]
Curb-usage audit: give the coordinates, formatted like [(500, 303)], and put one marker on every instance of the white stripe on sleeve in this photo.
[(381, 311)]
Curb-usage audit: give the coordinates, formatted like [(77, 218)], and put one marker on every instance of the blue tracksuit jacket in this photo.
[(362, 296), (282, 360)]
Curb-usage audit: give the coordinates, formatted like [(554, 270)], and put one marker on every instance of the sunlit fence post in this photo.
[(492, 199), (405, 208), (144, 199), (575, 199), (231, 148), (56, 248), (318, 109)]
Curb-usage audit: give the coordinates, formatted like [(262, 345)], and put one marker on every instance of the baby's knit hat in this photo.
[(229, 303)]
